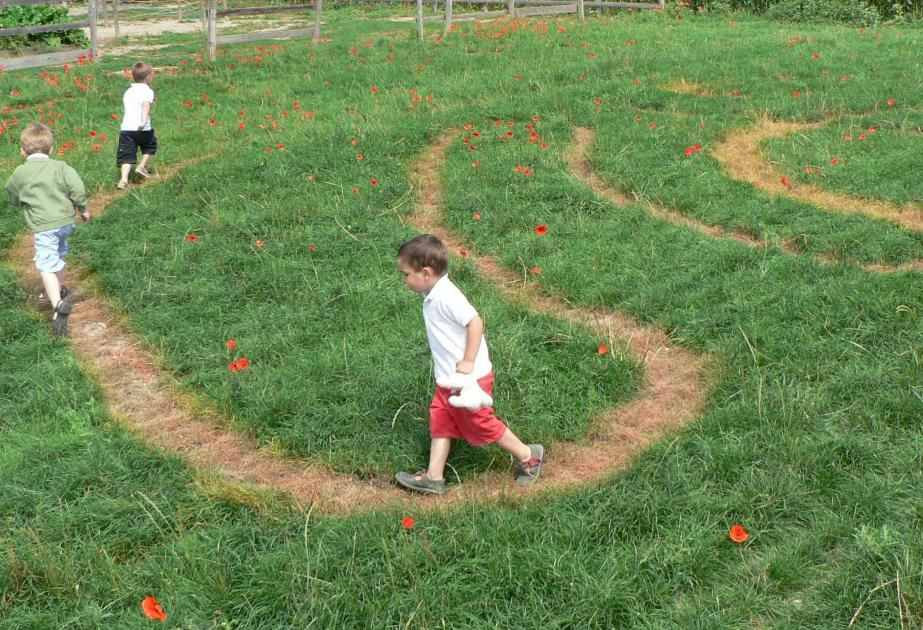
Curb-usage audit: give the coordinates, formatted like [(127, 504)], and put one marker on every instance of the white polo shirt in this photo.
[(446, 314), (133, 101)]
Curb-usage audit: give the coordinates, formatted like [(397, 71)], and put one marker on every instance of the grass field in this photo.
[(811, 435)]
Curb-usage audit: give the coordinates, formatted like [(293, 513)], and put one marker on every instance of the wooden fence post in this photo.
[(448, 18), (115, 14), (212, 29), (317, 9), (580, 12), (203, 13), (93, 8), (420, 18), (510, 7)]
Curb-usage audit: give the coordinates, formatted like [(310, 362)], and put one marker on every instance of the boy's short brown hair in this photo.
[(141, 71), (425, 250), (36, 138)]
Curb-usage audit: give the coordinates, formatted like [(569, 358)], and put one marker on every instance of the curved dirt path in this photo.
[(671, 395), (741, 157), (144, 399), (580, 165)]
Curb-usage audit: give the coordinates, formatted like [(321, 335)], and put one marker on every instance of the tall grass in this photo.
[(811, 436)]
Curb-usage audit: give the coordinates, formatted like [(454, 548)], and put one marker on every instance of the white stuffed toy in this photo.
[(470, 395)]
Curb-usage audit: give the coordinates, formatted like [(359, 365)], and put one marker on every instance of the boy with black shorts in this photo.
[(136, 131)]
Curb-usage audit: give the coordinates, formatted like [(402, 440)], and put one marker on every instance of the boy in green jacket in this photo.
[(49, 191)]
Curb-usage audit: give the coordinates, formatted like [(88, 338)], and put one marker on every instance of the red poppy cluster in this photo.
[(693, 149)]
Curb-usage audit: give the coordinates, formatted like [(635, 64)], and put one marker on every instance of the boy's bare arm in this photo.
[(474, 334), (145, 115)]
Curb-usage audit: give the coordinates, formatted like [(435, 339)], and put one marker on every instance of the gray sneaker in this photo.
[(528, 471), (420, 482), (59, 321)]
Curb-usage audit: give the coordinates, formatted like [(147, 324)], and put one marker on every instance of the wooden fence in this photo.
[(213, 13), (47, 59)]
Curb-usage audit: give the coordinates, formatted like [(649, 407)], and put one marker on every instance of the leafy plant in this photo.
[(19, 16)]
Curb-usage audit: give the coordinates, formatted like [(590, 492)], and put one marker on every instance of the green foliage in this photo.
[(862, 12), (34, 15), (854, 12)]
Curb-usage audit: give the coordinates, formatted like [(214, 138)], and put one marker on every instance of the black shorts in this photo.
[(131, 141)]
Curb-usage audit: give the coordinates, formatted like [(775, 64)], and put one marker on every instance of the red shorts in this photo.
[(475, 427)]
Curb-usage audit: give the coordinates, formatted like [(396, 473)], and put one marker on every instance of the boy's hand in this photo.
[(85, 216), (464, 367)]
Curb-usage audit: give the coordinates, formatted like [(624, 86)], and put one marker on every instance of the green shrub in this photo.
[(18, 16), (855, 12)]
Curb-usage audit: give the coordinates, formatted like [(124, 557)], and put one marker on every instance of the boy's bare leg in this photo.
[(145, 157), (509, 442), (126, 171), (438, 454), (52, 288)]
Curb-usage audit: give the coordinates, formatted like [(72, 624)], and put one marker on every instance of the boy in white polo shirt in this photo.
[(456, 340), (136, 131)]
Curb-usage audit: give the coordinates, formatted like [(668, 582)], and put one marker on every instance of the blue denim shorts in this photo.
[(51, 248)]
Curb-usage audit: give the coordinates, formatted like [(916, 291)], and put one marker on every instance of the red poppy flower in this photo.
[(359, 156), (475, 164), (847, 138), (374, 90), (603, 349), (688, 151), (241, 126), (152, 610), (407, 522), (638, 118), (544, 145), (890, 102), (862, 136), (476, 134), (356, 190), (535, 271), (232, 367), (738, 534), (92, 134), (785, 181), (468, 126), (541, 230), (115, 116), (697, 147), (260, 243), (230, 344), (463, 251), (211, 121), (373, 181), (96, 147), (497, 123), (872, 129), (598, 101), (653, 125), (312, 248), (834, 161), (242, 363), (815, 55), (188, 103), (192, 238), (476, 216), (796, 93)]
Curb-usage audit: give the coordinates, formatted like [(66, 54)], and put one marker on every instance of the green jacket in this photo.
[(49, 191)]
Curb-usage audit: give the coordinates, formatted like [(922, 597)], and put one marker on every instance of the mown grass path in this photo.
[(740, 155)]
